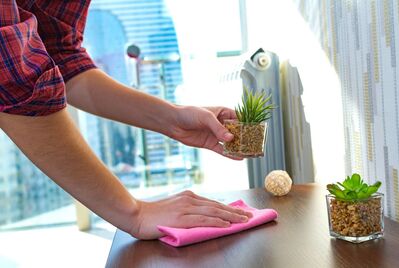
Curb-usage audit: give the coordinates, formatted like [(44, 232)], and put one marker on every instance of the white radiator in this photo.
[(297, 136)]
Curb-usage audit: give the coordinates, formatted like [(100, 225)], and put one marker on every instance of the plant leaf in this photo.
[(356, 181), (353, 188), (335, 190), (254, 108), (373, 188)]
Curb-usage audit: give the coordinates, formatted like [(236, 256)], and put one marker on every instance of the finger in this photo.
[(189, 221), (197, 197), (227, 113), (220, 132), (215, 204), (222, 113), (203, 201), (223, 214)]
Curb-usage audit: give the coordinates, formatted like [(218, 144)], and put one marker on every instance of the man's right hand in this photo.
[(184, 210)]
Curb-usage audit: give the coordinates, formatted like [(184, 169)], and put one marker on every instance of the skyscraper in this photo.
[(134, 154), (24, 190)]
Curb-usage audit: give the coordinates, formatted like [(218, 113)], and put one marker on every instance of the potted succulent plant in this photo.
[(355, 210), (250, 127)]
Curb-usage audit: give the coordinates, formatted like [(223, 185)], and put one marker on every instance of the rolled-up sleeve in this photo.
[(61, 26), (30, 82)]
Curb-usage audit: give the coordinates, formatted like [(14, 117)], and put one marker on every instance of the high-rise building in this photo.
[(8, 181), (138, 156), (24, 190)]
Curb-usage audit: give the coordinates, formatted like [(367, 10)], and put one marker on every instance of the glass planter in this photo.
[(356, 221), (249, 139)]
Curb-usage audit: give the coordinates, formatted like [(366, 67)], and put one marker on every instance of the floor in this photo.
[(63, 246)]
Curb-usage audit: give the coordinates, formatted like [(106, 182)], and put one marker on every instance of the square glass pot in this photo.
[(249, 139), (356, 221)]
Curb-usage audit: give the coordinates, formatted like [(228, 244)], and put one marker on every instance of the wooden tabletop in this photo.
[(298, 238)]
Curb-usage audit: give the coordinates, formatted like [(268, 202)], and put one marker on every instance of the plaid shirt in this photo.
[(40, 49)]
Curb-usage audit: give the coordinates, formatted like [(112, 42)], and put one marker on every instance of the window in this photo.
[(27, 197), (148, 164), (140, 158)]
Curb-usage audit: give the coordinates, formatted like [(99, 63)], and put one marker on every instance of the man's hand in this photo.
[(202, 127), (184, 210)]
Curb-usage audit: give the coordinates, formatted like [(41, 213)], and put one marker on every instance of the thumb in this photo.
[(218, 129)]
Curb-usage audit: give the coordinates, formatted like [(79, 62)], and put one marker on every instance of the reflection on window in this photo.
[(141, 159), (27, 196)]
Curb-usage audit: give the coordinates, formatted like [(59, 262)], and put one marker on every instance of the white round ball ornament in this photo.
[(278, 182)]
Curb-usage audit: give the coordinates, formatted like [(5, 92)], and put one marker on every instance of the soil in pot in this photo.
[(359, 218), (248, 139)]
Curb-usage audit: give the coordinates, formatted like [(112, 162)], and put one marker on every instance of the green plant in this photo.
[(353, 188), (254, 108)]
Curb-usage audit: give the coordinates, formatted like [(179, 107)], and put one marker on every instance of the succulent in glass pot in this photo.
[(355, 210), (250, 127)]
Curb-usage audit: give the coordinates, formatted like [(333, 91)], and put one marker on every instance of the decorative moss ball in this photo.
[(278, 182)]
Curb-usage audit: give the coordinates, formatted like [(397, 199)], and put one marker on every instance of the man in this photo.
[(42, 65)]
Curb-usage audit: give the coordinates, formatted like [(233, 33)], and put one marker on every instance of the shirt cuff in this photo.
[(74, 64), (48, 97)]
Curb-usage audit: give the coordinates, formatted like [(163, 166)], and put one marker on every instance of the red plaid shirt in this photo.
[(40, 49)]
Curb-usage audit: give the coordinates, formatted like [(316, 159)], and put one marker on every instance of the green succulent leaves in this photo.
[(353, 188), (254, 108)]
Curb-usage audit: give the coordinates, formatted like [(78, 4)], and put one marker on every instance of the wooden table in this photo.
[(298, 238)]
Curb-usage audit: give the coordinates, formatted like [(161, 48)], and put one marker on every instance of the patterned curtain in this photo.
[(360, 37)]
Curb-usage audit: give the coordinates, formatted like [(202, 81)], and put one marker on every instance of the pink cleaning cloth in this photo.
[(178, 237)]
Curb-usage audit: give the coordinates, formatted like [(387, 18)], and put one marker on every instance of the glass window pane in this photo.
[(148, 163), (28, 198)]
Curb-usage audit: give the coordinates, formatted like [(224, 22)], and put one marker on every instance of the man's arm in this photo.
[(54, 144), (95, 92)]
